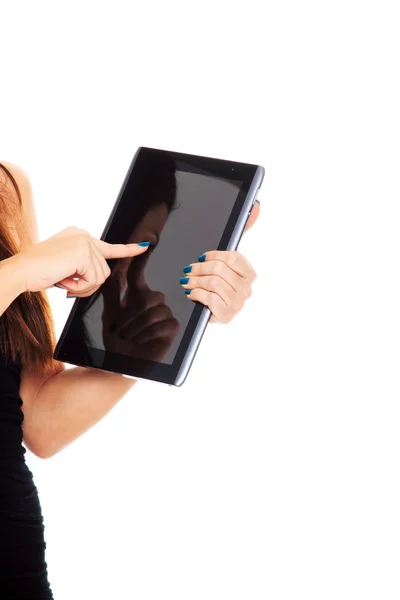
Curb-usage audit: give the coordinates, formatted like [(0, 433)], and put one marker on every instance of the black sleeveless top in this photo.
[(23, 569)]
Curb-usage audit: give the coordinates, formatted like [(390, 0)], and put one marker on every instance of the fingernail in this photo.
[(144, 244), (187, 292), (187, 269), (184, 280), (72, 296), (258, 201), (202, 258), (59, 286)]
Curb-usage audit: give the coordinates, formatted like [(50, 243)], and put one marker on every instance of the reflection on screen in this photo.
[(141, 310)]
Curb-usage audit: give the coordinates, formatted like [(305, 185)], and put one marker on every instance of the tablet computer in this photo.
[(139, 322)]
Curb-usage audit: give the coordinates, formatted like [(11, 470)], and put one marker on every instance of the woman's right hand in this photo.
[(71, 253)]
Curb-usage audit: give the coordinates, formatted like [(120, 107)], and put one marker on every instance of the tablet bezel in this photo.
[(174, 374)]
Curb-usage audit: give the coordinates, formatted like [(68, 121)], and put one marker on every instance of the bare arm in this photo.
[(57, 408), (67, 404)]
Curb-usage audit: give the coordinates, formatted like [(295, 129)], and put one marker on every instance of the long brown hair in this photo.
[(26, 326)]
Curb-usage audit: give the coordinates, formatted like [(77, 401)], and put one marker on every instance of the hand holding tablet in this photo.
[(220, 280), (140, 322)]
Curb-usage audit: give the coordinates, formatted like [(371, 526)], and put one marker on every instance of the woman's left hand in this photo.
[(222, 281)]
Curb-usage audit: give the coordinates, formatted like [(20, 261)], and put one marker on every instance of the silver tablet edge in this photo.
[(232, 245)]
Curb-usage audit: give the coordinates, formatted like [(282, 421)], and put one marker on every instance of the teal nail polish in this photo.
[(187, 292), (202, 258), (72, 296), (187, 269), (184, 280), (144, 244), (258, 202)]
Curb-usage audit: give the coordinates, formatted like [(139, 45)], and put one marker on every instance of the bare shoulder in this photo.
[(25, 188), (19, 174)]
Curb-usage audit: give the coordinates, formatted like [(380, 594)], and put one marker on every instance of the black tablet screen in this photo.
[(141, 310)]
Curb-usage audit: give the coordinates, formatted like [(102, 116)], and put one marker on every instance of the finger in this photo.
[(213, 301), (82, 282), (253, 216), (100, 272), (105, 269), (63, 282), (67, 283), (96, 280), (98, 267), (212, 283), (233, 259), (120, 250), (87, 281), (216, 268)]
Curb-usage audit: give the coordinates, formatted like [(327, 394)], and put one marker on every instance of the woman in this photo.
[(41, 403)]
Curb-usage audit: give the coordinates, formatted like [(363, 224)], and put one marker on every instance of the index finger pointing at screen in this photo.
[(120, 250)]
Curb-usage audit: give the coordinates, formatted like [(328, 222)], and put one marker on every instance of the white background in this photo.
[(273, 473)]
